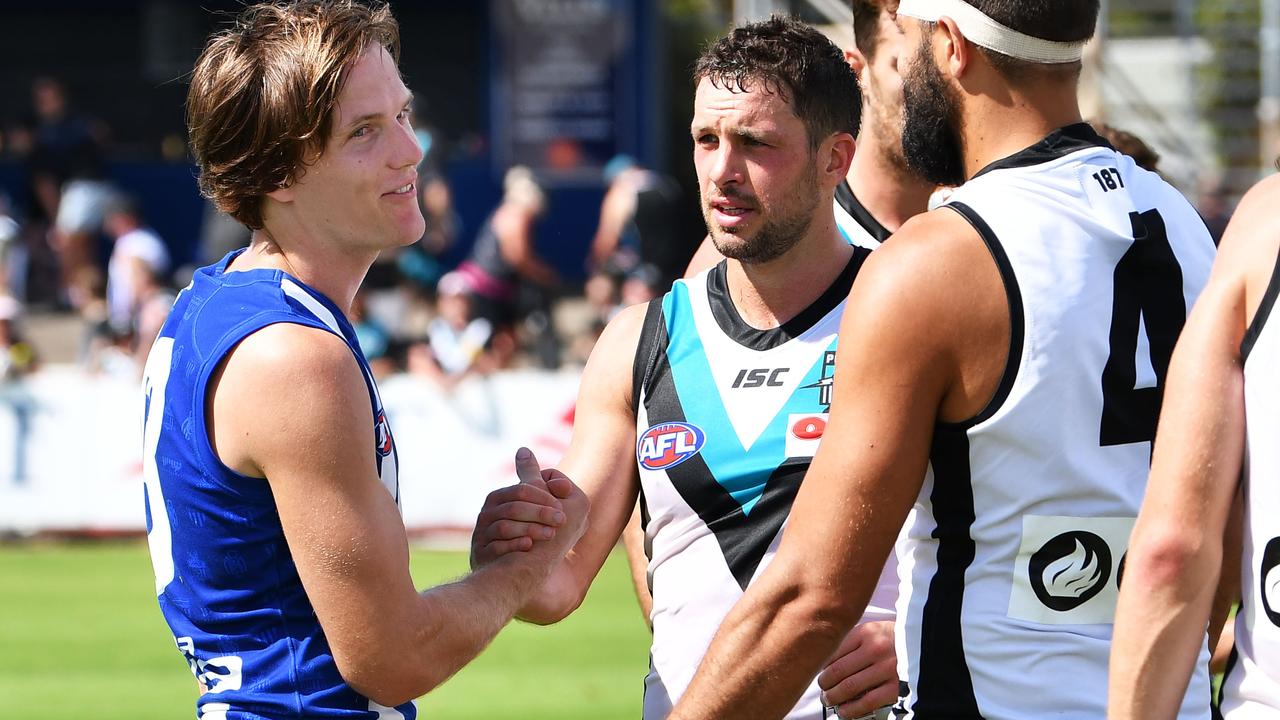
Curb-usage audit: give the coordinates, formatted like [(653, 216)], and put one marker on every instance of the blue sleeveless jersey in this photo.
[(226, 582)]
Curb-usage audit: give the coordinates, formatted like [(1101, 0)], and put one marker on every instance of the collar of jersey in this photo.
[(732, 324), (1059, 143)]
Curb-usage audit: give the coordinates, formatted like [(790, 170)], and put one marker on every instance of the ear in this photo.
[(836, 155), (856, 60), (284, 193), (955, 49)]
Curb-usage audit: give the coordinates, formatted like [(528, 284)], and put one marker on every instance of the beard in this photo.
[(930, 113), (782, 229)]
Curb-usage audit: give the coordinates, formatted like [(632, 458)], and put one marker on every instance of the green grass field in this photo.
[(81, 636)]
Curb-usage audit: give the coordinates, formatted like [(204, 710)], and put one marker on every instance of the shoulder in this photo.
[(610, 371), (1247, 255), (934, 286), (287, 366), (931, 254), (621, 336)]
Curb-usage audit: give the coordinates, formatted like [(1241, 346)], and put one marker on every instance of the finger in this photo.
[(524, 511), (498, 548), (873, 681), (527, 468), (512, 530), (558, 484), (867, 704)]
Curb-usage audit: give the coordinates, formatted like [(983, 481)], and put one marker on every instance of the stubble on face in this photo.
[(784, 224), (931, 110)]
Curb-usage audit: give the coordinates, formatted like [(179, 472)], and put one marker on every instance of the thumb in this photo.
[(527, 468)]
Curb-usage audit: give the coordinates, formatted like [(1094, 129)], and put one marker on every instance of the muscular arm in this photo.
[(290, 405), (897, 371), (1176, 549), (601, 460)]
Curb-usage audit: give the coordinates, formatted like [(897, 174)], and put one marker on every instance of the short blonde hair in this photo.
[(263, 92)]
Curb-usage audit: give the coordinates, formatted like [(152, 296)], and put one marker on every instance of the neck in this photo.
[(997, 126), (335, 274), (766, 294), (891, 193)]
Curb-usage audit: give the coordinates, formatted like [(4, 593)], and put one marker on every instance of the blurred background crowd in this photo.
[(556, 181)]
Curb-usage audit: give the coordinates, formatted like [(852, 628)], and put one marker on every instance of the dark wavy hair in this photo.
[(788, 57), (263, 92), (866, 24)]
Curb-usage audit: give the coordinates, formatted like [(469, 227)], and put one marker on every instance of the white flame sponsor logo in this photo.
[(1070, 570), (1270, 577), (1073, 575)]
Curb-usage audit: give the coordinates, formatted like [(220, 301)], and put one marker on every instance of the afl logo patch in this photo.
[(664, 446), (382, 434)]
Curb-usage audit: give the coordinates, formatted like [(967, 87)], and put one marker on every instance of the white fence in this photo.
[(70, 446)]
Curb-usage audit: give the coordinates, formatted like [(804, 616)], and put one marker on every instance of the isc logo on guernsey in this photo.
[(664, 446)]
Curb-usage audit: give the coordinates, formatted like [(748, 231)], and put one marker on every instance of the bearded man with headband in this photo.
[(997, 383)]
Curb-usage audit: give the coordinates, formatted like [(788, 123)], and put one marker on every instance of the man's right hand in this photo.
[(544, 507)]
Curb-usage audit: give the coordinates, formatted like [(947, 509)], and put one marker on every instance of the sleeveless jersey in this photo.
[(225, 580), (1252, 685), (728, 420), (855, 223), (1016, 546)]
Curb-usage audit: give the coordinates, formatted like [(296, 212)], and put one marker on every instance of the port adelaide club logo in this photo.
[(666, 445)]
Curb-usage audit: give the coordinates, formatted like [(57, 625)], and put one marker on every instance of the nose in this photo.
[(725, 166), (407, 151)]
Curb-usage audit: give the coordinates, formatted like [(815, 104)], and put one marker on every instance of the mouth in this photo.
[(402, 190), (729, 213)]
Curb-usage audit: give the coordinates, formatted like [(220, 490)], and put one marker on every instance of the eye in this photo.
[(361, 131), (706, 139)]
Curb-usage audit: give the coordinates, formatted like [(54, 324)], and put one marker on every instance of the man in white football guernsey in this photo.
[(1221, 416), (711, 401), (997, 385), (878, 194)]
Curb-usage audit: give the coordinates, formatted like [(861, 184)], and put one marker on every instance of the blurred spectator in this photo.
[(219, 234), (373, 337), (137, 255), (458, 343), (639, 222), (17, 359), (1213, 207), (503, 256), (153, 299), (1129, 144), (12, 254), (66, 175)]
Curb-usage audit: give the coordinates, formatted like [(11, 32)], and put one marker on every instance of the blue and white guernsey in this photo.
[(728, 420), (855, 222), (225, 580)]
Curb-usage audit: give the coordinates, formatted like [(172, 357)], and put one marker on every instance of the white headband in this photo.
[(982, 30)]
